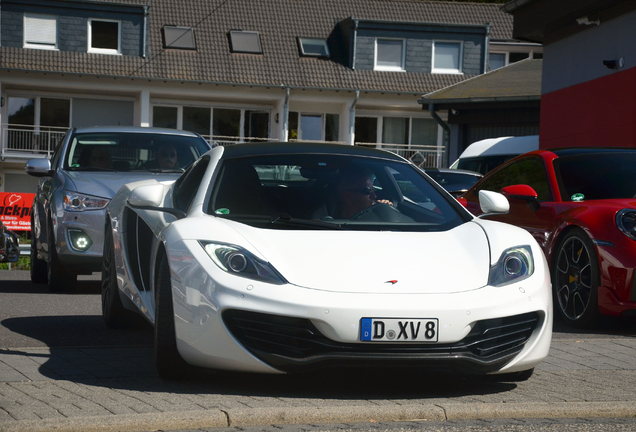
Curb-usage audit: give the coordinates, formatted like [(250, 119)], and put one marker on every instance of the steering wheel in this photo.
[(381, 212)]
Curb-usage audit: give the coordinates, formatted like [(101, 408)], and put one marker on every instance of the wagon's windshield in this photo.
[(122, 151), (597, 175), (330, 191)]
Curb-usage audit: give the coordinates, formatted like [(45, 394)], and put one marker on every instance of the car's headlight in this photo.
[(515, 264), (238, 261), (626, 222), (78, 202)]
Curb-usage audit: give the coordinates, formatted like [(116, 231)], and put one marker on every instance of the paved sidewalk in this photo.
[(104, 389)]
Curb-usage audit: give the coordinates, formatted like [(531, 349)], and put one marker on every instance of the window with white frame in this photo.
[(104, 36), (221, 124), (389, 54), (405, 130), (497, 60), (313, 126), (40, 31), (447, 57)]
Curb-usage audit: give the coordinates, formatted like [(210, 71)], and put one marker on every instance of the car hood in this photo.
[(376, 262), (105, 184)]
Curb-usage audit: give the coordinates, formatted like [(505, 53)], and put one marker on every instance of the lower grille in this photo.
[(290, 344)]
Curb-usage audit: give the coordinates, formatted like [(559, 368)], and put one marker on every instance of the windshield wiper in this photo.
[(165, 170), (284, 218), (89, 169)]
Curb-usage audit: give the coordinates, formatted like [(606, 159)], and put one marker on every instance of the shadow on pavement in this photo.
[(96, 361), (27, 287)]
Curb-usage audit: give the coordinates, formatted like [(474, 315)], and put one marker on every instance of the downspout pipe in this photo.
[(352, 119), (487, 48), (445, 126), (145, 31), (285, 125)]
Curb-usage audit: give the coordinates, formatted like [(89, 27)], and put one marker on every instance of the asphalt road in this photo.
[(64, 370), (30, 316)]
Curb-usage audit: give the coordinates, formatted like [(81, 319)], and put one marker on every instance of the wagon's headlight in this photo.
[(626, 222), (238, 261), (515, 264), (79, 202)]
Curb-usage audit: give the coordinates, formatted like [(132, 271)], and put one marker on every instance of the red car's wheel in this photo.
[(575, 279)]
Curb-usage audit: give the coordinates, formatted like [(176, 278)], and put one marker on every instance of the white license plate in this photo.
[(399, 330)]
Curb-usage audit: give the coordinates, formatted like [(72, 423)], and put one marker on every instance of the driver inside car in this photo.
[(356, 193)]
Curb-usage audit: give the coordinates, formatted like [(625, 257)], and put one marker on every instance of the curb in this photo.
[(330, 415)]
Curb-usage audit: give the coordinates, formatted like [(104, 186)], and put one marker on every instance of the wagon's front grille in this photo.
[(289, 343)]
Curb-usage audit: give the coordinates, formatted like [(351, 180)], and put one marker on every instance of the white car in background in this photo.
[(484, 155), (249, 262)]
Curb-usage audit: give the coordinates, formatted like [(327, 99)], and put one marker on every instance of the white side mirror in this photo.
[(147, 196), (493, 202)]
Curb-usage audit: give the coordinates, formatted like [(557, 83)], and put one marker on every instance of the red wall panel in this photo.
[(601, 112)]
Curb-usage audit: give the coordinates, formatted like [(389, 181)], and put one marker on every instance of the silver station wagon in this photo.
[(86, 170)]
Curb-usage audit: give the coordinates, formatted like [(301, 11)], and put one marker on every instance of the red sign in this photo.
[(15, 210)]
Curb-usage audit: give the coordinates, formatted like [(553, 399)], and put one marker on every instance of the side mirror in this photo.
[(146, 196), (493, 203), (40, 167), (150, 197), (522, 192)]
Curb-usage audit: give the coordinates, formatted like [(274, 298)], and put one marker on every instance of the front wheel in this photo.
[(38, 266), (169, 363), (59, 278), (113, 312), (575, 279)]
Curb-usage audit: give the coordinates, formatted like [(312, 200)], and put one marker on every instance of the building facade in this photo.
[(346, 71), (589, 73)]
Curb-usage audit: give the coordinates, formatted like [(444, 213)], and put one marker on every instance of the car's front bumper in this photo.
[(227, 322), (92, 224)]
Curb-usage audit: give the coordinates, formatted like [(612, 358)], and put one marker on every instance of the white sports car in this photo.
[(280, 257)]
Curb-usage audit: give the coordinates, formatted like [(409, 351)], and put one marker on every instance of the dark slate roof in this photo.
[(515, 82), (279, 22)]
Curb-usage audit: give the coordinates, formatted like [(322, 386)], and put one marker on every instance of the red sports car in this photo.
[(580, 205)]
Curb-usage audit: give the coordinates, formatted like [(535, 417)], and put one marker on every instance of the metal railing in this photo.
[(424, 156), (17, 138), (29, 139)]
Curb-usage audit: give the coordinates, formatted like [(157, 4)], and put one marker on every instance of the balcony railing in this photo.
[(30, 140), (424, 156)]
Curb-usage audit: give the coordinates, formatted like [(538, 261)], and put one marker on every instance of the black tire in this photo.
[(38, 266), (169, 363), (113, 312), (575, 278), (58, 277)]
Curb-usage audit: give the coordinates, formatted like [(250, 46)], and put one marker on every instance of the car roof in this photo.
[(274, 148), (133, 129), (454, 171), (502, 146), (590, 150)]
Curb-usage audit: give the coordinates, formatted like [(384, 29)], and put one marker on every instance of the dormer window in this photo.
[(447, 57), (40, 31), (389, 54), (248, 42), (175, 37), (104, 36), (312, 47)]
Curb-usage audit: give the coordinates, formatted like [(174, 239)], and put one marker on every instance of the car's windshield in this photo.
[(330, 191), (597, 175), (129, 151)]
